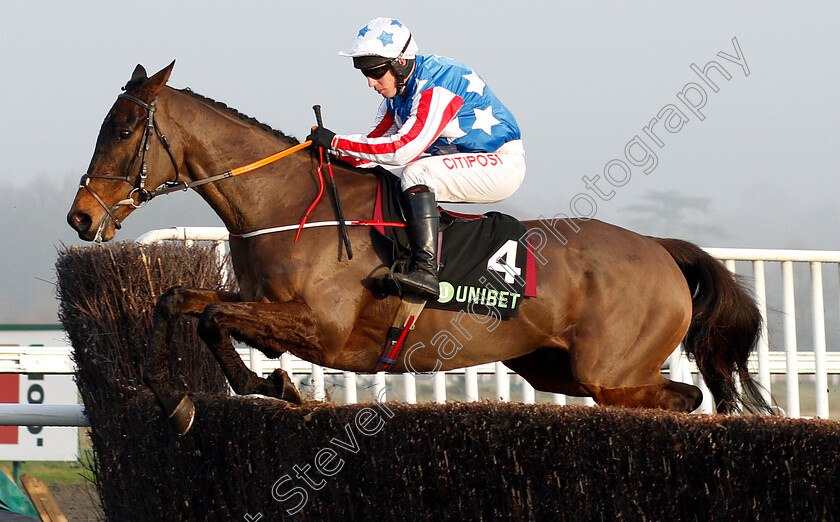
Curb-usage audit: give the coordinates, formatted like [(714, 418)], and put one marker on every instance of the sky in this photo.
[(616, 123)]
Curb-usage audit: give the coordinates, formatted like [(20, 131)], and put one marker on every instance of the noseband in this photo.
[(143, 194)]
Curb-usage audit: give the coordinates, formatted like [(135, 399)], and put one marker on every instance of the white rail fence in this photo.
[(469, 384), (804, 355)]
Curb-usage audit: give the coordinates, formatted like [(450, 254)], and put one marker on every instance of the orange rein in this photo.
[(174, 186), (262, 163), (271, 159), (280, 155)]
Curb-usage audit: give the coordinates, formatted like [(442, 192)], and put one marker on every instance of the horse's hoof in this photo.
[(291, 394), (182, 417), (288, 391)]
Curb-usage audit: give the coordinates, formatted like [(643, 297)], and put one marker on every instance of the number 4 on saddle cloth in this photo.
[(486, 265)]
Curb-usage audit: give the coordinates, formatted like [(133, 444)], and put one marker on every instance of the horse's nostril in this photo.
[(79, 221)]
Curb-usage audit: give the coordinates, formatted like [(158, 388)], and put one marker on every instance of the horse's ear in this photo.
[(152, 86), (139, 74)]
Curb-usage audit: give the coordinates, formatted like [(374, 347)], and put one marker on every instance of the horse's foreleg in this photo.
[(172, 305), (273, 328)]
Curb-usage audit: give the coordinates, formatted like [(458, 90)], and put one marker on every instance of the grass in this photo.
[(52, 472), (60, 472)]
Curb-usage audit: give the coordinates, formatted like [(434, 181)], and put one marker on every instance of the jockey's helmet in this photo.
[(384, 41)]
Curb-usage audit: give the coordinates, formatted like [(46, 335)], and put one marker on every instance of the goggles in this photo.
[(376, 72)]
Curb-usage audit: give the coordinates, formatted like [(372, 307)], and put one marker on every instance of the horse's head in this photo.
[(132, 157)]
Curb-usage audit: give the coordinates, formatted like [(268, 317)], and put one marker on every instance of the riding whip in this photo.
[(345, 236)]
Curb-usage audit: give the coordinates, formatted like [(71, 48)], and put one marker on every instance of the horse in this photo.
[(611, 304)]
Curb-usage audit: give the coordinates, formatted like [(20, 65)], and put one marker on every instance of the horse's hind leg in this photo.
[(548, 370), (619, 363), (632, 378), (667, 395)]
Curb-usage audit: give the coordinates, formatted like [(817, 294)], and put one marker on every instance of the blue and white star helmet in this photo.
[(385, 37)]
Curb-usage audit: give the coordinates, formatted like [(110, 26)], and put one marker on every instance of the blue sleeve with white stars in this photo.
[(482, 124)]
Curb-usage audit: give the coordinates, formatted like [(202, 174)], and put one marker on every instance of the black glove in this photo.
[(321, 137)]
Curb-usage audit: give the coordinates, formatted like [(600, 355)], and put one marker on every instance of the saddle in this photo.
[(485, 266)]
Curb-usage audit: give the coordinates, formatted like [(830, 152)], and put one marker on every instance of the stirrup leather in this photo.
[(404, 321)]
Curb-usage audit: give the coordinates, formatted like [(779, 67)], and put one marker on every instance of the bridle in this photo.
[(143, 195)]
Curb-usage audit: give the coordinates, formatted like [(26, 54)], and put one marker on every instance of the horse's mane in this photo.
[(239, 115), (254, 121), (136, 83)]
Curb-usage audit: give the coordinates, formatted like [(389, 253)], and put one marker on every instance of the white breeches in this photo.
[(474, 177)]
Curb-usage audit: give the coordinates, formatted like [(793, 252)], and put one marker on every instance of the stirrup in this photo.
[(409, 286)]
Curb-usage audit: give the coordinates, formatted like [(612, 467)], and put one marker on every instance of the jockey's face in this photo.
[(386, 85)]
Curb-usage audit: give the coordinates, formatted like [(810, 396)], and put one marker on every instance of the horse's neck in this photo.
[(215, 142)]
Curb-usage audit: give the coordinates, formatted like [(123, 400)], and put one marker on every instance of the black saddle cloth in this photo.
[(484, 267)]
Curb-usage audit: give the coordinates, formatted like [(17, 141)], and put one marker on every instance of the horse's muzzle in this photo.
[(80, 222), (83, 224)]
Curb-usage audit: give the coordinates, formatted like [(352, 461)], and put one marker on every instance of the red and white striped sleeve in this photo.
[(431, 111), (383, 125)]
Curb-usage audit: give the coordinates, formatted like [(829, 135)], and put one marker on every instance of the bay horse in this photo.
[(611, 304)]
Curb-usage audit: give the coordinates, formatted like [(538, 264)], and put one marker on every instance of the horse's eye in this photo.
[(123, 134)]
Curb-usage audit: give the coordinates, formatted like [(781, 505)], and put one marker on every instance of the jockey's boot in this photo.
[(423, 222)]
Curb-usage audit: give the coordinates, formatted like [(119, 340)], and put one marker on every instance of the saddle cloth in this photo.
[(484, 267)]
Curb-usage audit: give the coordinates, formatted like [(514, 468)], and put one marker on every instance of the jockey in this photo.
[(455, 141)]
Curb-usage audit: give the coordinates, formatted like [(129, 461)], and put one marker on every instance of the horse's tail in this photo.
[(725, 327)]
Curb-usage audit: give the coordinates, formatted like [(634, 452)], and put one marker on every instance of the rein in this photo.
[(145, 195), (184, 185)]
